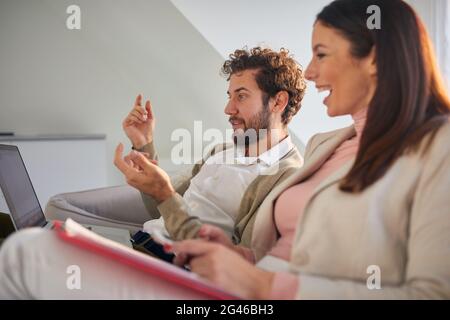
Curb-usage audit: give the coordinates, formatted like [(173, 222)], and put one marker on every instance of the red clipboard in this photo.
[(76, 234)]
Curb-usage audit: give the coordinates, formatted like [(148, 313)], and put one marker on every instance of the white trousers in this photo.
[(36, 264)]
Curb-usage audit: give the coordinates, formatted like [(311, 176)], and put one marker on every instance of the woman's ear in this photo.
[(372, 59)]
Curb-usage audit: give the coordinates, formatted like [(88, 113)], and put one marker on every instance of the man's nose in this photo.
[(230, 108)]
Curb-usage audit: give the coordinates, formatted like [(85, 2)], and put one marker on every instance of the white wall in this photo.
[(59, 81), (436, 16)]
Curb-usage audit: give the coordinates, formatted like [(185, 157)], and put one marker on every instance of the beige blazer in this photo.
[(400, 225)]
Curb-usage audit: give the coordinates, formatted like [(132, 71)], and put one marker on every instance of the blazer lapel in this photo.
[(264, 220), (322, 152)]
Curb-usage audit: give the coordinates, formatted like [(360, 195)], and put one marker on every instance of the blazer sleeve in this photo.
[(180, 181), (428, 250), (150, 149)]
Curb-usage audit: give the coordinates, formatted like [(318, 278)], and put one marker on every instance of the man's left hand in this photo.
[(144, 175)]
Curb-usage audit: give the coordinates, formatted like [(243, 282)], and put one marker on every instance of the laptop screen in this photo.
[(16, 185)]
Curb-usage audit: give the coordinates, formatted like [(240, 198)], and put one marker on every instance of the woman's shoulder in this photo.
[(443, 133), (322, 137), (438, 142)]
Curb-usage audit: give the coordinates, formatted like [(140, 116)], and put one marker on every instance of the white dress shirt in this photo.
[(215, 193)]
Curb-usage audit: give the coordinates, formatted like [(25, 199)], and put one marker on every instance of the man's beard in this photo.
[(257, 129)]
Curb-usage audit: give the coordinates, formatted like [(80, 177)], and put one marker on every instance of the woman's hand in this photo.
[(217, 235), (225, 268)]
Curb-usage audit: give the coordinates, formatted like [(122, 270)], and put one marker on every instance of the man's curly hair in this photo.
[(278, 71)]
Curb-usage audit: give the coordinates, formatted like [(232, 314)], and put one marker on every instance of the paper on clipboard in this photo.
[(76, 234)]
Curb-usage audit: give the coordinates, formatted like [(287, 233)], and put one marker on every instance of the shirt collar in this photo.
[(269, 157)]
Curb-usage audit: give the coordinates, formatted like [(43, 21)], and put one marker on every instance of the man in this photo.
[(265, 92), (260, 99)]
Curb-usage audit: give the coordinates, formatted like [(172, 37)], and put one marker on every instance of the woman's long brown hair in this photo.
[(410, 100)]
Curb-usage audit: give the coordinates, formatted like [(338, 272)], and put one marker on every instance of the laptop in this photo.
[(23, 204)]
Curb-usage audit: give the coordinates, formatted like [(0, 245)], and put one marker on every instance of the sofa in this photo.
[(118, 206)]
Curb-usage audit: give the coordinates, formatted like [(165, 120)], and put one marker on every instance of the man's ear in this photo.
[(281, 101)]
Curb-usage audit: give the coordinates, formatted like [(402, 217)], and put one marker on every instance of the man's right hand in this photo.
[(139, 124)]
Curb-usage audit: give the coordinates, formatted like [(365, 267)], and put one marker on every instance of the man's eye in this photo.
[(320, 55), (241, 97)]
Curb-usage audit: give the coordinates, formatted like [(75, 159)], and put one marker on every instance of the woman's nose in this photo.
[(310, 72)]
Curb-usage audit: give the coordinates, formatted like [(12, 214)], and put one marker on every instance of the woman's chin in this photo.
[(332, 112)]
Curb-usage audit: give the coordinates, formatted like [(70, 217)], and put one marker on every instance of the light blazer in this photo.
[(400, 224)]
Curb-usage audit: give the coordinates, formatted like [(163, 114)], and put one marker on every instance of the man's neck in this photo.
[(264, 144)]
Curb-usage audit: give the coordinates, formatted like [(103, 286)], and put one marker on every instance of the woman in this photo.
[(369, 197)]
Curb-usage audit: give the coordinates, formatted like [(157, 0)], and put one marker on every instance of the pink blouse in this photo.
[(290, 205)]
